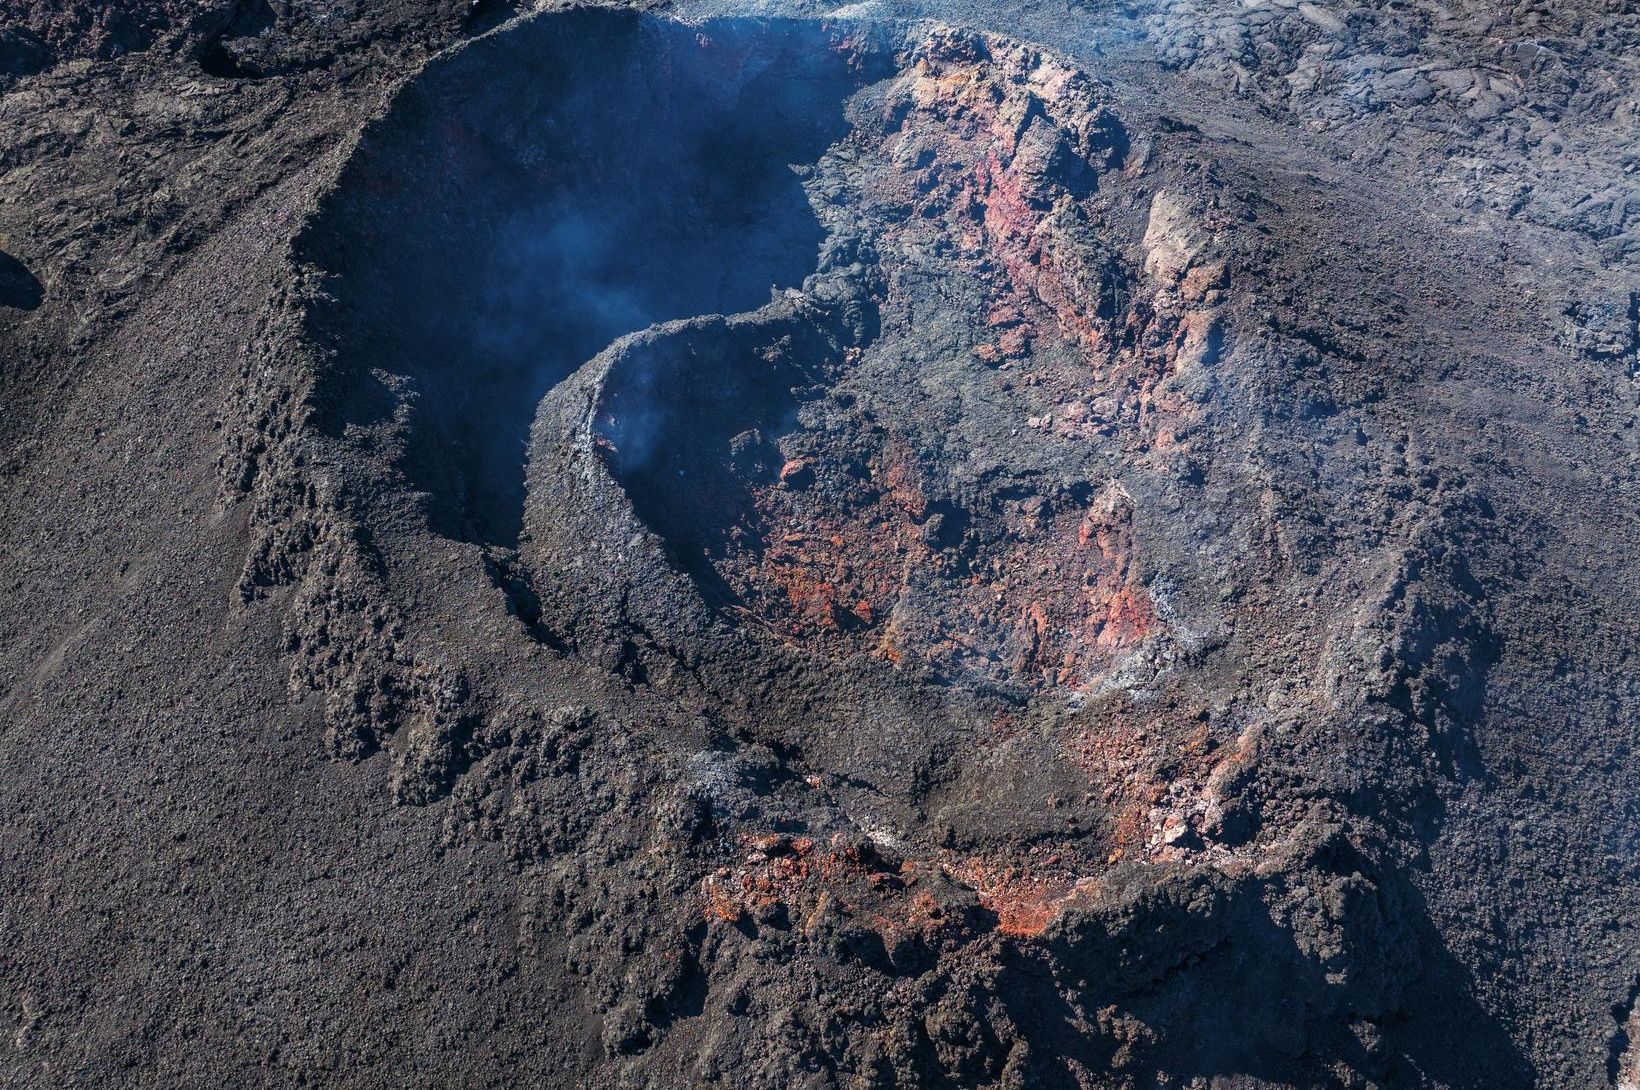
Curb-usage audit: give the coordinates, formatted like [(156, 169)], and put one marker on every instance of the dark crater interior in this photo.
[(19, 288), (546, 190), (691, 425)]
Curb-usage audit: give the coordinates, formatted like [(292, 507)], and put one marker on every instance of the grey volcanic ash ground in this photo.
[(1062, 545)]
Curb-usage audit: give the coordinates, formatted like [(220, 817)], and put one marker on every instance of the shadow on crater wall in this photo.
[(546, 190), (19, 288)]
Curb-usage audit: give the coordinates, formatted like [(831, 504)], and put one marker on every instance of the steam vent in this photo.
[(917, 545)]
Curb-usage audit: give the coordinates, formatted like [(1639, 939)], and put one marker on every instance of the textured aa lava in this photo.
[(818, 551)]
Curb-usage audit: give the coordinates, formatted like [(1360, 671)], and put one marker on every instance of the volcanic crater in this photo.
[(548, 188), (871, 349), (494, 231), (841, 551)]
